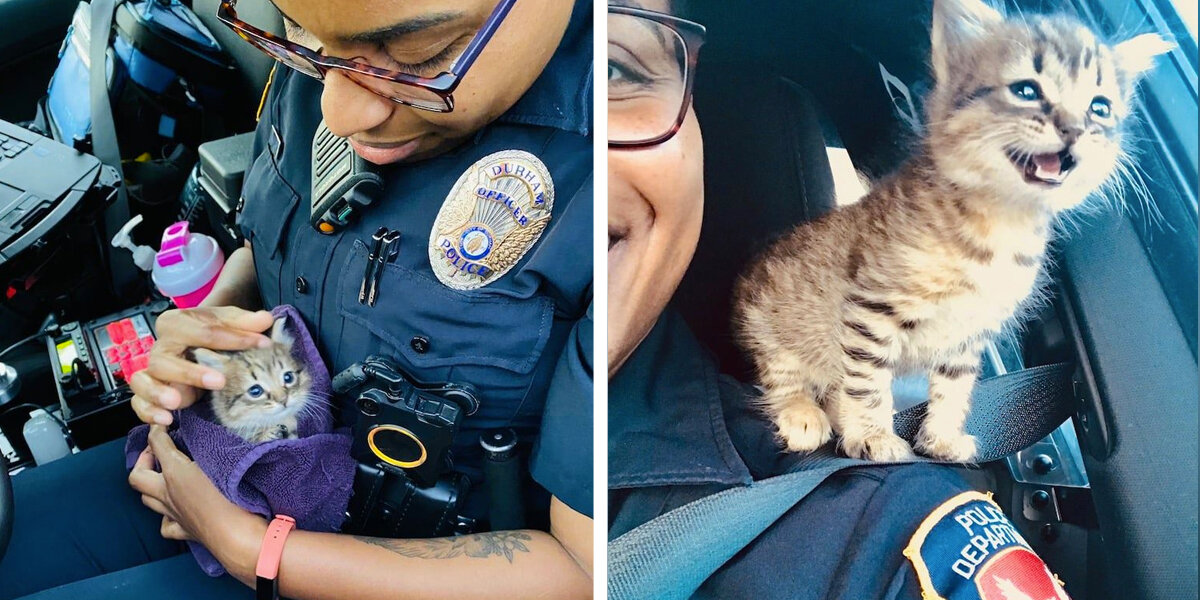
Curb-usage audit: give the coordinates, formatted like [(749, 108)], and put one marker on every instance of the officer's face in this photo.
[(426, 37), (655, 203)]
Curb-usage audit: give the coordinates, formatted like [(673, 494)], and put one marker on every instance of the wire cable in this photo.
[(44, 330)]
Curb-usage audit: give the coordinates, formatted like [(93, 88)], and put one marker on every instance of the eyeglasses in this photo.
[(651, 63), (427, 93)]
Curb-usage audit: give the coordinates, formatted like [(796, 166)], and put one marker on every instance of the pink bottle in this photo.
[(187, 265)]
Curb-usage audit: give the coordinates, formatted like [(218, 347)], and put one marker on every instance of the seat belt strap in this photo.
[(1009, 412), (104, 142), (672, 555), (669, 557)]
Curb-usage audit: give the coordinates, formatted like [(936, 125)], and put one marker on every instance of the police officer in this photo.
[(680, 431), (490, 189)]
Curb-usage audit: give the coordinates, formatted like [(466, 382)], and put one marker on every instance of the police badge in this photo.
[(494, 214)]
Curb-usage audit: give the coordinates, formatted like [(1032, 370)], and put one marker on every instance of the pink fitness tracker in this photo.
[(267, 570)]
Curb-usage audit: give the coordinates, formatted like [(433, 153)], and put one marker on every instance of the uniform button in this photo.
[(420, 344), (301, 285)]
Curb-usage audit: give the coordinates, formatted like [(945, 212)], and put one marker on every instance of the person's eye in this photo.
[(1101, 107), (429, 66), (1026, 90), (620, 74), (256, 391), (289, 378)]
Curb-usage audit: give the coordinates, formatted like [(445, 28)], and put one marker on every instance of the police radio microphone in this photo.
[(343, 183)]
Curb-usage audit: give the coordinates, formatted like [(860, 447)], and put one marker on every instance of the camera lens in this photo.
[(368, 407), (397, 445)]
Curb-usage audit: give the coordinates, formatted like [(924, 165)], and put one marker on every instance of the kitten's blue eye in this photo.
[(1101, 107), (1026, 90), (289, 378), (255, 391)]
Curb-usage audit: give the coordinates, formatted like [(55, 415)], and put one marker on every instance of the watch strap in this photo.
[(267, 569)]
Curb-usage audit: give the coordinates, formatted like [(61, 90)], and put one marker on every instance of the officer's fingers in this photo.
[(172, 530), (155, 505), (169, 369), (150, 412), (237, 318), (187, 394), (209, 333), (145, 460), (150, 388), (149, 482), (164, 447), (203, 328)]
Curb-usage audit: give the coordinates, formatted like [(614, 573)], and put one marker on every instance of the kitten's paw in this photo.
[(803, 428), (263, 436), (884, 446), (956, 447)]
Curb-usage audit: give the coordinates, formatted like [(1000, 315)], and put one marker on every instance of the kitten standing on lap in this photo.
[(266, 389), (1025, 121)]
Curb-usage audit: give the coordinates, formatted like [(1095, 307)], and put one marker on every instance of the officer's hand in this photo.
[(169, 380)]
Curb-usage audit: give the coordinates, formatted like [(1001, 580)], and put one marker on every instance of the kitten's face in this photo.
[(1036, 106), (264, 386)]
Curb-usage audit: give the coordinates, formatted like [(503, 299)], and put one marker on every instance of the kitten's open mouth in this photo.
[(1045, 169)]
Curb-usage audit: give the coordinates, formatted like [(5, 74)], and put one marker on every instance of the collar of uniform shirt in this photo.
[(561, 97), (666, 423)]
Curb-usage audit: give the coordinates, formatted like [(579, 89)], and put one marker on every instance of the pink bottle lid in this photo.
[(187, 265), (174, 240)]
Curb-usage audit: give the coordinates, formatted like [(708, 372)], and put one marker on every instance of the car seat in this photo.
[(253, 65), (765, 171)]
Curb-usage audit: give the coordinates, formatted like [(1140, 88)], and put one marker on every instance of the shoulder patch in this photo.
[(494, 214), (966, 549)]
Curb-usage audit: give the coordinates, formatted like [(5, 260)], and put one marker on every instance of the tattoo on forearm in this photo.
[(479, 545)]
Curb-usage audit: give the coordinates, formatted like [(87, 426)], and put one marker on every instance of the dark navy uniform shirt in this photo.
[(524, 339), (679, 431)]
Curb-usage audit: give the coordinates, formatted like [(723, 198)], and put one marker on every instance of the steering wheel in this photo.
[(6, 507)]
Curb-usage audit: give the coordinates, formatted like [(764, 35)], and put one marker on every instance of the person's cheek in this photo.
[(668, 180), (674, 186)]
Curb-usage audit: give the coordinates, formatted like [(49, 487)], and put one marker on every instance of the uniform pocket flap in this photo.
[(434, 326)]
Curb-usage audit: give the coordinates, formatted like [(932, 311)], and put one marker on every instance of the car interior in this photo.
[(802, 104), (834, 90), (39, 365)]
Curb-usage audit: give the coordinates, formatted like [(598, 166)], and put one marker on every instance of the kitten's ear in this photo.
[(279, 333), (956, 23), (1136, 55), (210, 359)]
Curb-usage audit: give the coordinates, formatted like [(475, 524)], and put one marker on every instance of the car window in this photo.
[(1161, 195), (1186, 9)]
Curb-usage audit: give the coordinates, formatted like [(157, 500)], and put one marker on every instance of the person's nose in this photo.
[(349, 108)]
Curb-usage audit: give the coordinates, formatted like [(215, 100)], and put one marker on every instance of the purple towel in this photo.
[(308, 478)]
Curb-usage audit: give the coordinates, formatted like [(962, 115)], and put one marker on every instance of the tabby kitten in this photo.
[(1025, 121), (265, 388)]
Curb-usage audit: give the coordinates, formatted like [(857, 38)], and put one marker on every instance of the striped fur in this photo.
[(273, 414), (920, 273)]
